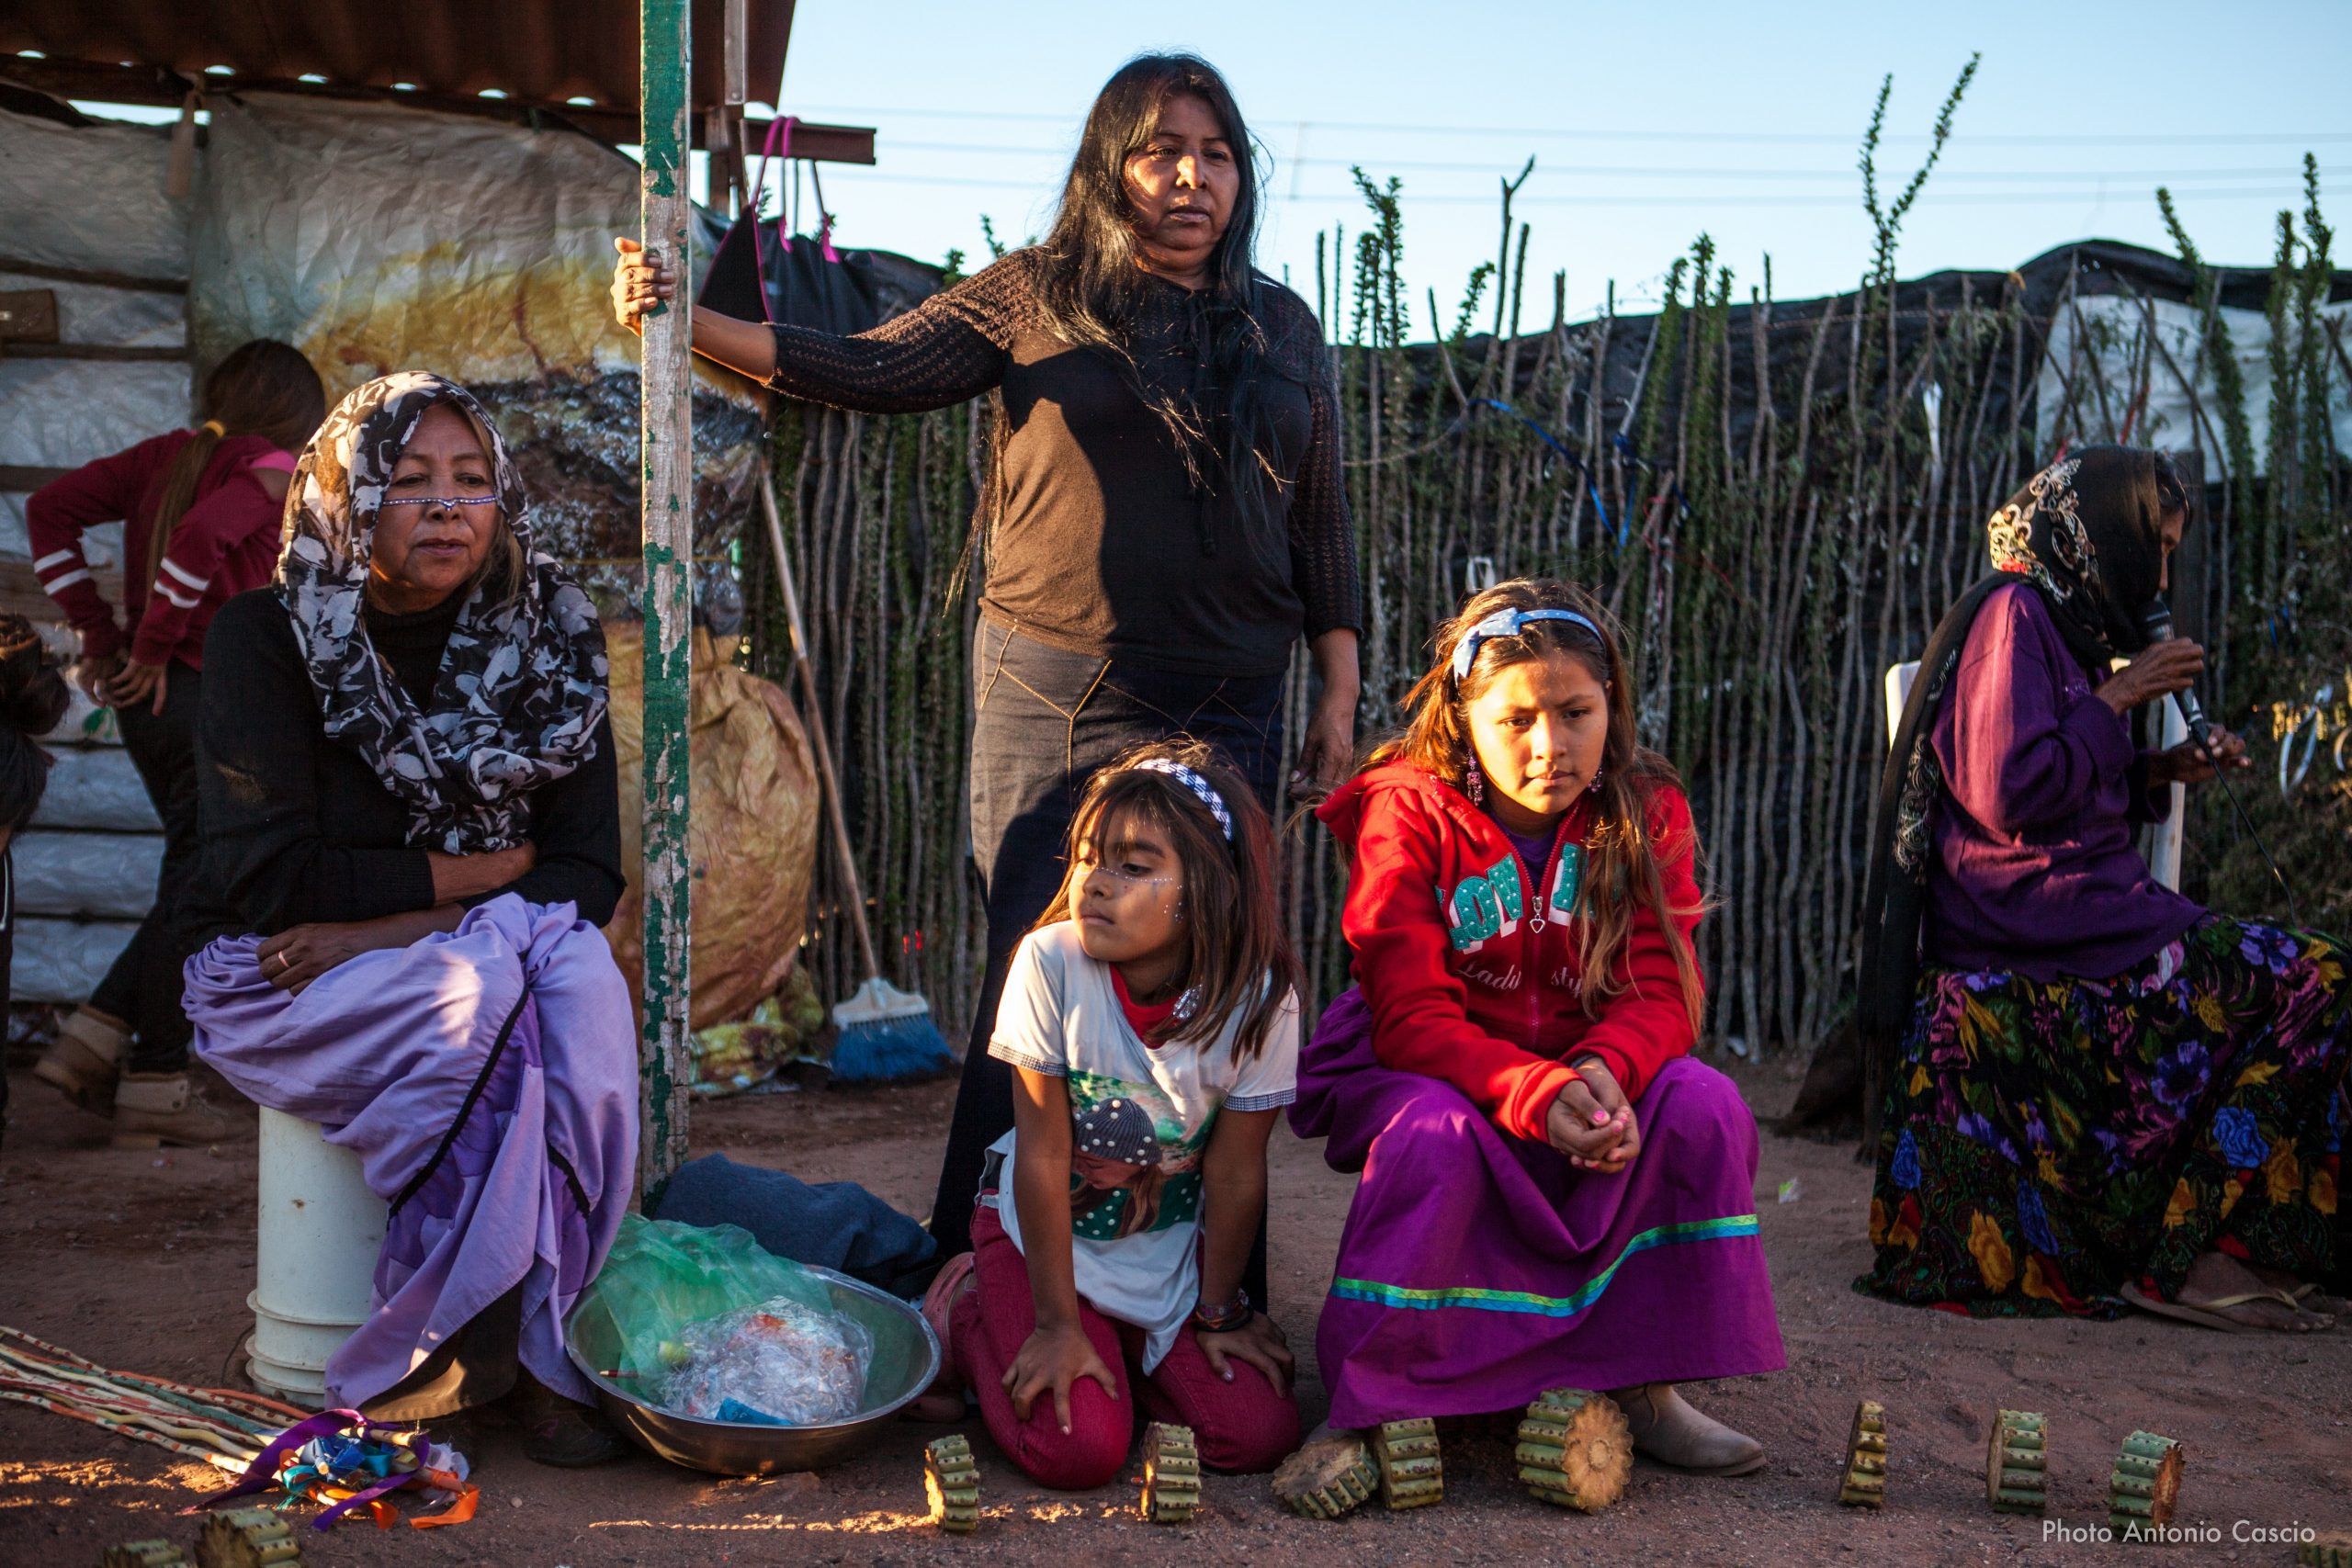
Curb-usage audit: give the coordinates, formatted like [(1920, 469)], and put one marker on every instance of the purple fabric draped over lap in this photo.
[(384, 1053), (1477, 1269)]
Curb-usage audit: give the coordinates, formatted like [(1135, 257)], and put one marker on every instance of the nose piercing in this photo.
[(451, 502)]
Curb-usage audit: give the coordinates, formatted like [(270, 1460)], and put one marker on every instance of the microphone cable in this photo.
[(2221, 777)]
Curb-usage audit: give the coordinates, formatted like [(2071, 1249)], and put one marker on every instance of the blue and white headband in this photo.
[(1197, 785), (1506, 622)]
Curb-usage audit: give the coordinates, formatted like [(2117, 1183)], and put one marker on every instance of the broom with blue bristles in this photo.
[(882, 1034)]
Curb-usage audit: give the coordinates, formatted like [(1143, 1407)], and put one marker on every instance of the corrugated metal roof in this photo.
[(533, 51)]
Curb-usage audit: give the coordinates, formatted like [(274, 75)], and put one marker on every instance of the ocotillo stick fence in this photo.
[(667, 522), (1776, 498)]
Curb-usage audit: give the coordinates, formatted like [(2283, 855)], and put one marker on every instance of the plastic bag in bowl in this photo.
[(778, 1364)]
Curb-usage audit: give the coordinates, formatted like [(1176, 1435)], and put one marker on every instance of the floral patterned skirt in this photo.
[(2044, 1144)]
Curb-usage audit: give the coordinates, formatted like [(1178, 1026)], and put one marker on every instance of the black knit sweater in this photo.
[(1105, 545), (298, 829)]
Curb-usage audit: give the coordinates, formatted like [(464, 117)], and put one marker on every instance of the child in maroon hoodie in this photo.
[(1554, 1193), (200, 511)]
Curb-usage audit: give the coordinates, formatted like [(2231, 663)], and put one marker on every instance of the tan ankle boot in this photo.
[(152, 1109), (85, 1059), (1670, 1430)]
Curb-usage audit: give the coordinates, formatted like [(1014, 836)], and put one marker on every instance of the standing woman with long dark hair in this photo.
[(200, 511), (1165, 518)]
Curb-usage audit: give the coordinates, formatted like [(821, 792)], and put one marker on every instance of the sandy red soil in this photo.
[(144, 1261)]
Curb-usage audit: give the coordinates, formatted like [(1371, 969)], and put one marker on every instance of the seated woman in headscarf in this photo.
[(411, 832), (2095, 1092)]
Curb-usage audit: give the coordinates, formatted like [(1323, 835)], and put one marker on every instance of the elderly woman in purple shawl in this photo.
[(2095, 1092), (410, 835)]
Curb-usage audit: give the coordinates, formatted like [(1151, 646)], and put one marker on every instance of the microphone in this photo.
[(2157, 621)]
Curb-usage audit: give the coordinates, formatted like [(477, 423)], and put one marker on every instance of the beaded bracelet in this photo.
[(1225, 1318)]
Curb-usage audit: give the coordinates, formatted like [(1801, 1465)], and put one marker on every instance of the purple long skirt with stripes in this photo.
[(487, 1080), (1478, 1269)]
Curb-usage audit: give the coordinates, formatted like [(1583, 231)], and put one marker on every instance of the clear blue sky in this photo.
[(1650, 123)]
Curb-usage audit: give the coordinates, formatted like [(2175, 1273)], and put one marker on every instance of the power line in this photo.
[(1616, 134), (1659, 171), (1726, 198)]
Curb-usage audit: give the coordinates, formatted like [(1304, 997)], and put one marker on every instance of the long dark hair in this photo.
[(262, 388), (1621, 859), (1237, 952), (1093, 286)]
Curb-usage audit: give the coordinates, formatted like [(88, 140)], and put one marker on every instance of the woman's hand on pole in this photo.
[(1052, 1359), (2156, 670), (644, 282), (2189, 763), (1258, 1343), (641, 284)]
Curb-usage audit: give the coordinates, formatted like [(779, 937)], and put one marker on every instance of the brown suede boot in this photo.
[(152, 1109), (1666, 1429), (85, 1061)]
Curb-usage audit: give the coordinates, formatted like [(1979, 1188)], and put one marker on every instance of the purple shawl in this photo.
[(487, 1080)]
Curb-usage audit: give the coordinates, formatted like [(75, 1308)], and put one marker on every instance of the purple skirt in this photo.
[(487, 1080), (1478, 1269)]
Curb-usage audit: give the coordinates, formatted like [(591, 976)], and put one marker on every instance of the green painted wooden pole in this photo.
[(666, 502)]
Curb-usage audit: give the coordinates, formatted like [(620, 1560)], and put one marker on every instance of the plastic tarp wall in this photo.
[(91, 199), (2107, 338), (86, 865), (376, 237), (95, 789), (86, 198)]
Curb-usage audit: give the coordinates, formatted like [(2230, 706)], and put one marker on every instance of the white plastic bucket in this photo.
[(314, 1257)]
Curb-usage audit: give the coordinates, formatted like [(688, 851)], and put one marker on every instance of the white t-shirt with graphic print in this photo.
[(1140, 1119)]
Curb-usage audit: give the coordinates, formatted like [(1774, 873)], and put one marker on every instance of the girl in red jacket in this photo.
[(1553, 1193), (200, 511)]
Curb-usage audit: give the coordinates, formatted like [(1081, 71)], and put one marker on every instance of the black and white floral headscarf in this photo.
[(523, 683)]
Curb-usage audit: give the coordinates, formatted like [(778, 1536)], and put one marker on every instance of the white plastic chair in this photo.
[(2159, 843)]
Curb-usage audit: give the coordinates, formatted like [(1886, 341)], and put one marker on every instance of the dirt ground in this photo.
[(144, 1261)]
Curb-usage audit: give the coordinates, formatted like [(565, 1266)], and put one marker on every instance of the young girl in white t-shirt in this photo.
[(1151, 1020)]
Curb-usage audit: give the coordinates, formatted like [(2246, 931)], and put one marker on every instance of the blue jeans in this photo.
[(1045, 720)]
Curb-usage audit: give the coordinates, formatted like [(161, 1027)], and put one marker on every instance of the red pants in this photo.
[(1239, 1426)]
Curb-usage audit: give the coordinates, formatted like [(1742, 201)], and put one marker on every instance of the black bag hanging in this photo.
[(792, 281)]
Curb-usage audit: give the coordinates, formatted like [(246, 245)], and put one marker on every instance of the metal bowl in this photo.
[(901, 1338)]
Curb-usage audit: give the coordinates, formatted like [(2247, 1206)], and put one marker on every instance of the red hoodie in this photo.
[(224, 544), (1470, 969)]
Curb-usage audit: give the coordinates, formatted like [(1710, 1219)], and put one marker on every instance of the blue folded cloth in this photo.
[(832, 1224)]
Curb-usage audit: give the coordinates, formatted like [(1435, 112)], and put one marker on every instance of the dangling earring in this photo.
[(1475, 783), (1595, 785)]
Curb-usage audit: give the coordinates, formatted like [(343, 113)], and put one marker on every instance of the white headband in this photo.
[(1197, 785)]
